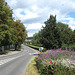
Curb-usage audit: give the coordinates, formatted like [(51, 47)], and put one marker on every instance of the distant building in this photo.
[(28, 40)]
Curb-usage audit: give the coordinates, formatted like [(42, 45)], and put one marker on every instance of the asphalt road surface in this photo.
[(16, 64)]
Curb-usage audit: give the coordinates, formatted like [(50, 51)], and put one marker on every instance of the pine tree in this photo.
[(50, 33)]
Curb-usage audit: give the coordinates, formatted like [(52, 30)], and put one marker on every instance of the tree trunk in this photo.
[(15, 46)]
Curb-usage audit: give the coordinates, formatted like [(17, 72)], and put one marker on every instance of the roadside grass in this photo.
[(32, 69)]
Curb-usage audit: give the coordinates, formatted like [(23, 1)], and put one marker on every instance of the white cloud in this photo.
[(30, 34), (72, 24), (11, 3), (35, 26), (17, 14), (29, 15)]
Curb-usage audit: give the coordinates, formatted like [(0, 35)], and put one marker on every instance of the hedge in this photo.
[(37, 48)]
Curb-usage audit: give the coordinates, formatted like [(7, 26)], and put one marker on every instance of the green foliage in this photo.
[(44, 49), (19, 48), (50, 34), (11, 32), (5, 13), (72, 38), (37, 47), (5, 24), (51, 63), (20, 33), (5, 36), (70, 46), (34, 47), (65, 32), (54, 69), (54, 35), (35, 39)]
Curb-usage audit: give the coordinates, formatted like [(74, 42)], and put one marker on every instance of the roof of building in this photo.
[(29, 38)]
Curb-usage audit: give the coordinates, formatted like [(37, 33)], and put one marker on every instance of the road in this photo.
[(16, 64)]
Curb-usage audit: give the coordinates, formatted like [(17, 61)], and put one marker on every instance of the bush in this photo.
[(68, 47), (39, 45), (36, 47), (44, 49), (54, 69), (72, 46), (19, 48)]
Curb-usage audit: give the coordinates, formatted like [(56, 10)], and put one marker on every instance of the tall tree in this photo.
[(5, 23), (5, 35), (72, 38), (50, 34), (5, 13), (54, 35), (65, 32), (20, 33), (35, 39)]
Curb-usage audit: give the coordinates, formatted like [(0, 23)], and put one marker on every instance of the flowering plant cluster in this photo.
[(56, 63), (49, 62)]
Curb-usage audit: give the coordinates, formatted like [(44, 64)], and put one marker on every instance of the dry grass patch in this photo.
[(32, 69)]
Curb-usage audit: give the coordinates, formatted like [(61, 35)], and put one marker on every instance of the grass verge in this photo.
[(32, 69)]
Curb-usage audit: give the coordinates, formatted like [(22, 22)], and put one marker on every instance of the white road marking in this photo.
[(32, 53), (3, 61), (6, 60)]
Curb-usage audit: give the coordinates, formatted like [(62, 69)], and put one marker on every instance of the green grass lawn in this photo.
[(32, 69)]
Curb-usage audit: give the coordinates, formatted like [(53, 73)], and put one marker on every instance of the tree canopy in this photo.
[(54, 35), (11, 32), (20, 33)]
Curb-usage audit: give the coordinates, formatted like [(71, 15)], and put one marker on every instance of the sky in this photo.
[(33, 13)]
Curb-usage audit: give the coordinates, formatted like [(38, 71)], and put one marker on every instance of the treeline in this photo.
[(11, 32), (54, 34)]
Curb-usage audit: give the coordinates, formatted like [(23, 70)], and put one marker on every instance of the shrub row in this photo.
[(39, 45), (68, 47), (36, 47)]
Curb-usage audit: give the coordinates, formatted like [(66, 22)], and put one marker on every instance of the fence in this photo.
[(2, 48)]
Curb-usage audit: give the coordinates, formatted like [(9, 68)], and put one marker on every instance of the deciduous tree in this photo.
[(20, 33)]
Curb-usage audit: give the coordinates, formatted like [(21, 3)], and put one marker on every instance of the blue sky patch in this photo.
[(22, 13), (63, 21), (33, 30), (71, 14), (42, 22)]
